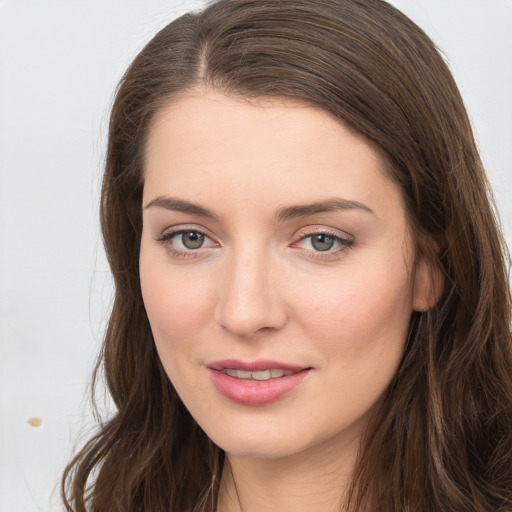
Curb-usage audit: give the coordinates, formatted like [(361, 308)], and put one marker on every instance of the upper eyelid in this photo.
[(180, 228), (324, 230)]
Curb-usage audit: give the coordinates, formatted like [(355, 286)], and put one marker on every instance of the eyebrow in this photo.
[(282, 214), (330, 205), (180, 205)]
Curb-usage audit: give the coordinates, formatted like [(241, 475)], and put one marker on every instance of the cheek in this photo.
[(363, 316), (177, 303)]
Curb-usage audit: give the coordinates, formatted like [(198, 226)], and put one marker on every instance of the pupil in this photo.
[(322, 242), (192, 240)]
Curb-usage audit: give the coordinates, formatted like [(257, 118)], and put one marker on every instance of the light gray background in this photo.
[(59, 64)]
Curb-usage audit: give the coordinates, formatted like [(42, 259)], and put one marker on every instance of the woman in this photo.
[(312, 309)]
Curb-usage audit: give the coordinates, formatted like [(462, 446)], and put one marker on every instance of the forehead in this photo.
[(266, 150)]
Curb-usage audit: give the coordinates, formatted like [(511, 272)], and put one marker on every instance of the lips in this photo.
[(253, 366), (257, 382)]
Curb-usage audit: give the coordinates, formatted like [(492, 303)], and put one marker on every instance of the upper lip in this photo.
[(254, 366)]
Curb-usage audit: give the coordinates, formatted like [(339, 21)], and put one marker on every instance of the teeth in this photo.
[(261, 375), (274, 373)]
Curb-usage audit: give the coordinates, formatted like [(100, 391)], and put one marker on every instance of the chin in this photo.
[(260, 448), (262, 441)]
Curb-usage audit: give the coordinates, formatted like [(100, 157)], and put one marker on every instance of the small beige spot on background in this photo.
[(35, 422)]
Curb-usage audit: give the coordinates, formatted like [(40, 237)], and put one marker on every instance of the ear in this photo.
[(428, 284)]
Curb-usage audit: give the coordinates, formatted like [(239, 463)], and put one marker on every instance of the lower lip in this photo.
[(255, 392)]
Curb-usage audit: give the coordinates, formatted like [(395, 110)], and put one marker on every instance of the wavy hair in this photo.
[(442, 439)]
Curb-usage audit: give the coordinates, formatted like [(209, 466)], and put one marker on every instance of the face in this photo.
[(275, 269)]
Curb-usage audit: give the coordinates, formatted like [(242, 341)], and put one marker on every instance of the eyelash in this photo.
[(165, 240), (344, 243)]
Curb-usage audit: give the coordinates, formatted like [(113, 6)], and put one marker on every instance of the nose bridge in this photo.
[(249, 298)]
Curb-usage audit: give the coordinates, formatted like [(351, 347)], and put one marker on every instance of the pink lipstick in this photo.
[(257, 382)]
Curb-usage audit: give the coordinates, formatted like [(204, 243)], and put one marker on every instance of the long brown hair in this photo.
[(442, 440)]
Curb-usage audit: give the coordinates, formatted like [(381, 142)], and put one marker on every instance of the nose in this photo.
[(250, 295)]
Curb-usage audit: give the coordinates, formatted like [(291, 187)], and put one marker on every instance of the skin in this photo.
[(258, 289)]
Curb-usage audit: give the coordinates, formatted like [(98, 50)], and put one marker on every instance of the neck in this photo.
[(317, 479)]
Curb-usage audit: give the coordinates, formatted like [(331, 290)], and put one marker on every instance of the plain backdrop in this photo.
[(59, 64)]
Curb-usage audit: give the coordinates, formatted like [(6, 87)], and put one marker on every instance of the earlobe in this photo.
[(428, 284)]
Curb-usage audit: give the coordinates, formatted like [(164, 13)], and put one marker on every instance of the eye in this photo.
[(322, 242), (185, 241)]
